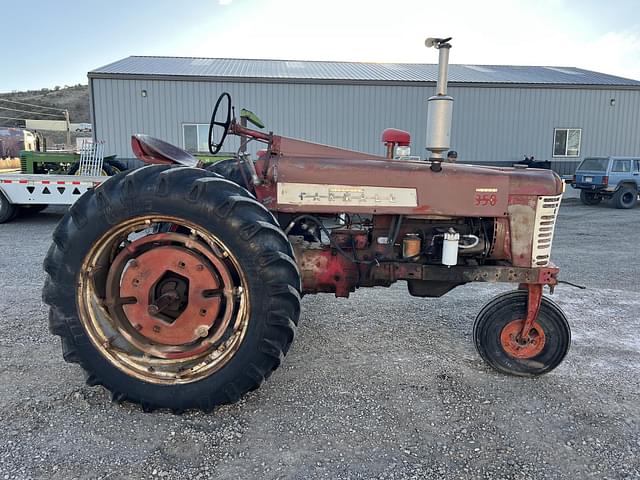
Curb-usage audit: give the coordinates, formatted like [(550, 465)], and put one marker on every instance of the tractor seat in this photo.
[(153, 150)]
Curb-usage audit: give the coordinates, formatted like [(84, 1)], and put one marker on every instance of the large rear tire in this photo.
[(496, 327), (187, 295)]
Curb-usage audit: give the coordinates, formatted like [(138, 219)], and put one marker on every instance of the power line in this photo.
[(13, 118), (30, 104), (32, 113)]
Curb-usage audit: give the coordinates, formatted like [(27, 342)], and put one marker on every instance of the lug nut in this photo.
[(156, 328), (181, 264), (136, 282), (202, 331), (203, 312)]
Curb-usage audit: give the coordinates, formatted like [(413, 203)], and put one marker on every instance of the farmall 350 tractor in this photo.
[(176, 286)]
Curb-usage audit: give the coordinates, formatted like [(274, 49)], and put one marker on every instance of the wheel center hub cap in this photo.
[(169, 292), (516, 346)]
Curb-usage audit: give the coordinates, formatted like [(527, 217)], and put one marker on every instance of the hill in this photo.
[(75, 99)]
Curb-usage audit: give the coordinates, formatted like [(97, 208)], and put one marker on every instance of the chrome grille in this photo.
[(545, 222)]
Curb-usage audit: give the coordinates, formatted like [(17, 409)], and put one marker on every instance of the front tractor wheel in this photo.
[(187, 294), (496, 333)]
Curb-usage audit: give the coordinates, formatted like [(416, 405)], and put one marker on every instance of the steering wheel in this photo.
[(213, 146)]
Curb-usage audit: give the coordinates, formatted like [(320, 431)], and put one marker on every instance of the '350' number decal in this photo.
[(486, 200)]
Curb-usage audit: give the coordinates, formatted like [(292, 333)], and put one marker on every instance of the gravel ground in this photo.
[(381, 385)]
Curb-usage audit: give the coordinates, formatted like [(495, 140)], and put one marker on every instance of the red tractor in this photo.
[(177, 286)]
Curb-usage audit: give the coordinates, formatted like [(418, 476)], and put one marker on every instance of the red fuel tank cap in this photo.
[(393, 135)]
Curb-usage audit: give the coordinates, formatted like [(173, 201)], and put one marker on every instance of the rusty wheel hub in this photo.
[(168, 289), (166, 307), (171, 288), (516, 346)]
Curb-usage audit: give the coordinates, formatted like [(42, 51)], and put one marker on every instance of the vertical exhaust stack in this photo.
[(439, 107)]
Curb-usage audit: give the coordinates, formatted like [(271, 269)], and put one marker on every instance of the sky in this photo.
[(53, 43)]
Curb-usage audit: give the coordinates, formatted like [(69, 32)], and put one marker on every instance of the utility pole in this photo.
[(66, 117)]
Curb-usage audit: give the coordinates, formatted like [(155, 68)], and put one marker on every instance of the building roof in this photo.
[(351, 72)]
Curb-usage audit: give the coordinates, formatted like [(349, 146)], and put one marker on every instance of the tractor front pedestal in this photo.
[(524, 338)]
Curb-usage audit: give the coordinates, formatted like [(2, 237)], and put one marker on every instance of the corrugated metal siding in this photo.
[(489, 124), (354, 71)]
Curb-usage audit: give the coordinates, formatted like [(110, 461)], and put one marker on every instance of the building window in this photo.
[(195, 137), (566, 142)]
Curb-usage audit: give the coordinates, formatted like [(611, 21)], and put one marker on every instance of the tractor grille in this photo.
[(23, 163), (545, 222)]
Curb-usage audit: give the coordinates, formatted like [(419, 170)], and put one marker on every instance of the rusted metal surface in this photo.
[(240, 130), (501, 242), (479, 192), (285, 147), (141, 281), (487, 273), (135, 274), (324, 270), (517, 346), (522, 213), (525, 338), (508, 196), (106, 291), (533, 307)]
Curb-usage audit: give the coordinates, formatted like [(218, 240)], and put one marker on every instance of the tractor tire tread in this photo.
[(214, 197)]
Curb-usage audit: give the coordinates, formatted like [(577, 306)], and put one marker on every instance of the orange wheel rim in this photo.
[(166, 307), (517, 347)]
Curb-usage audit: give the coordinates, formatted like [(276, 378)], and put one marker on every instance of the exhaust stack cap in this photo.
[(437, 42), (439, 106)]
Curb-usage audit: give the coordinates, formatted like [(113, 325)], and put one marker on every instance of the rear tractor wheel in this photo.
[(187, 293), (496, 333)]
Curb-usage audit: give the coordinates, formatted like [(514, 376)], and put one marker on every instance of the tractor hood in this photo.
[(365, 183)]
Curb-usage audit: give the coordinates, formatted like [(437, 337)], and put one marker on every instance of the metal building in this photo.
[(501, 113)]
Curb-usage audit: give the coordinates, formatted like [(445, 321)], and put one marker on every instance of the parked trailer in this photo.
[(32, 193)]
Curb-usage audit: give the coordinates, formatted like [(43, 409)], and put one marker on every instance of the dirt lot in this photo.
[(382, 385)]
